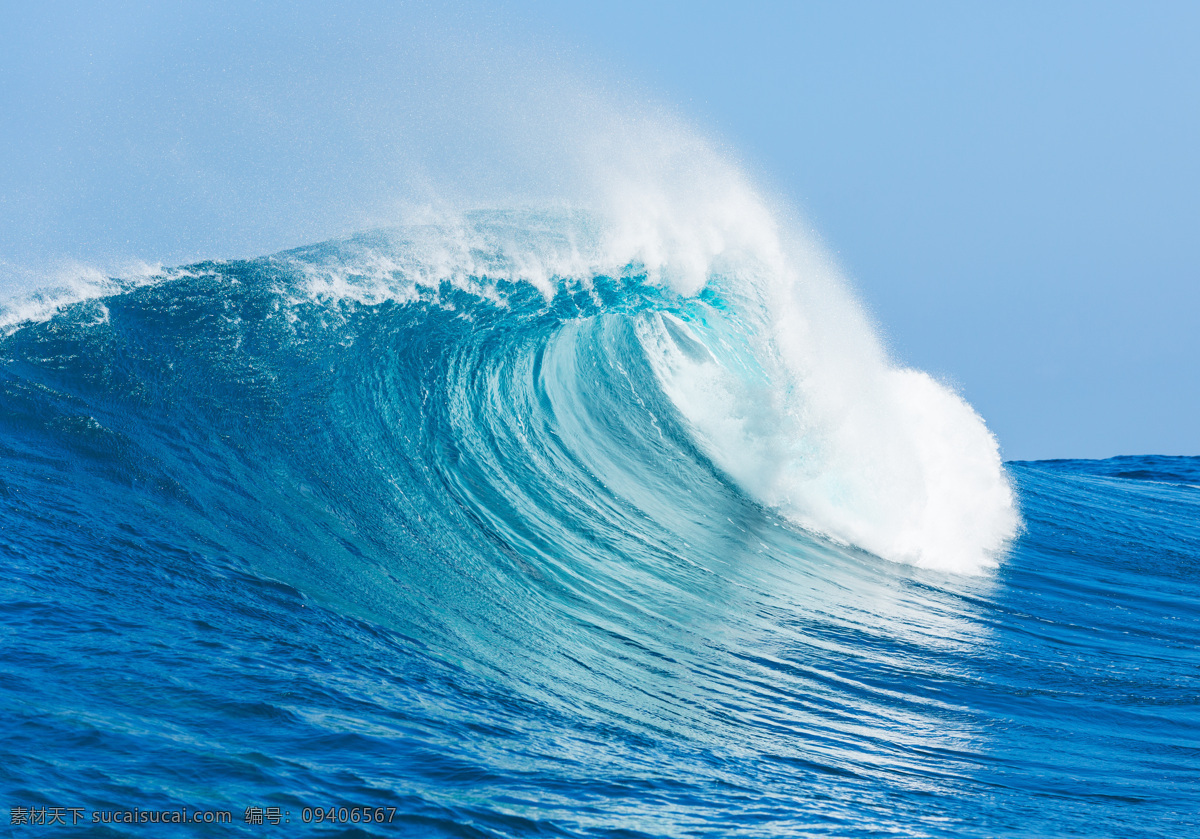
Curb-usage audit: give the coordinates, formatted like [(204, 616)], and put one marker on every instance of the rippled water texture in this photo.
[(518, 558)]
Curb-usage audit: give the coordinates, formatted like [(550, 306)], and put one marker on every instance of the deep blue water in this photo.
[(457, 556)]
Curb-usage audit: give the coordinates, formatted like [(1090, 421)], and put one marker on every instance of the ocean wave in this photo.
[(510, 522), (773, 376)]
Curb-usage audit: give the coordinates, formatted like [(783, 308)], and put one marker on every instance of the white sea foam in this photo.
[(35, 296), (843, 442), (796, 398)]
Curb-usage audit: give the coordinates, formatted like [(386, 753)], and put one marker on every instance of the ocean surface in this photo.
[(516, 526)]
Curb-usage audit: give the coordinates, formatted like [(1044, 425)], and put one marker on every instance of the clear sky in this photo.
[(1013, 188)]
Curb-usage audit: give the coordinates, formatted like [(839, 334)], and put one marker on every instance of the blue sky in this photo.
[(1013, 188)]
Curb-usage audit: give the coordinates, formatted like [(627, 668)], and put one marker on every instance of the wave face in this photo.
[(536, 523)]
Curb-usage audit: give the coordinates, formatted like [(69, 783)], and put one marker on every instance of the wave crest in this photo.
[(754, 345)]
